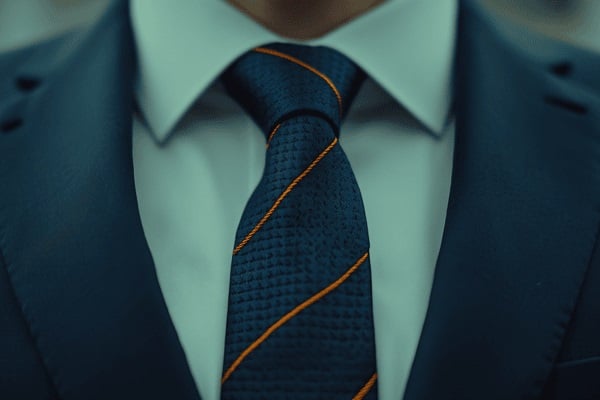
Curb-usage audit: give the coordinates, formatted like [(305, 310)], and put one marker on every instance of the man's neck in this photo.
[(305, 19)]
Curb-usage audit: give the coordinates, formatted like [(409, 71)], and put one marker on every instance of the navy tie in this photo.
[(300, 320)]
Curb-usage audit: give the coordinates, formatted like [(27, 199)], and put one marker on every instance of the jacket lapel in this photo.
[(523, 214), (72, 238)]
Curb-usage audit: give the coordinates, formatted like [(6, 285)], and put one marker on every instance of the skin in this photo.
[(303, 19)]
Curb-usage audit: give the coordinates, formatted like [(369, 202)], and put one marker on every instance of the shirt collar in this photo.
[(406, 46)]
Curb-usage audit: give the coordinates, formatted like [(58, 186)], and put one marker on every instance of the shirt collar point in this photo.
[(159, 123), (436, 121), (159, 129), (163, 106)]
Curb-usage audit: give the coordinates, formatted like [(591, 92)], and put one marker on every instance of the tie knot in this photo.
[(279, 81)]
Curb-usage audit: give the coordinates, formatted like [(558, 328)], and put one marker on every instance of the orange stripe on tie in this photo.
[(366, 388), (273, 132), (312, 69), (282, 196), (292, 314)]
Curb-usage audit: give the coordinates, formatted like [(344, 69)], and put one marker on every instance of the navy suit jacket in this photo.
[(515, 305)]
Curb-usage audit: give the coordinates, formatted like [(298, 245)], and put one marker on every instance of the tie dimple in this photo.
[(300, 321)]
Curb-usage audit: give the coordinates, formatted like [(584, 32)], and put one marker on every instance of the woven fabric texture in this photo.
[(302, 230)]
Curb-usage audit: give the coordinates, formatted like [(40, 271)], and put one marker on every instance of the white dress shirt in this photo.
[(198, 157)]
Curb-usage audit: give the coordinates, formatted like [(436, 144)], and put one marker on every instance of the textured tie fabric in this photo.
[(300, 320)]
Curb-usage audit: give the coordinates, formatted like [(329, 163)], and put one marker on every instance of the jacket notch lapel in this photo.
[(522, 220), (74, 246)]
